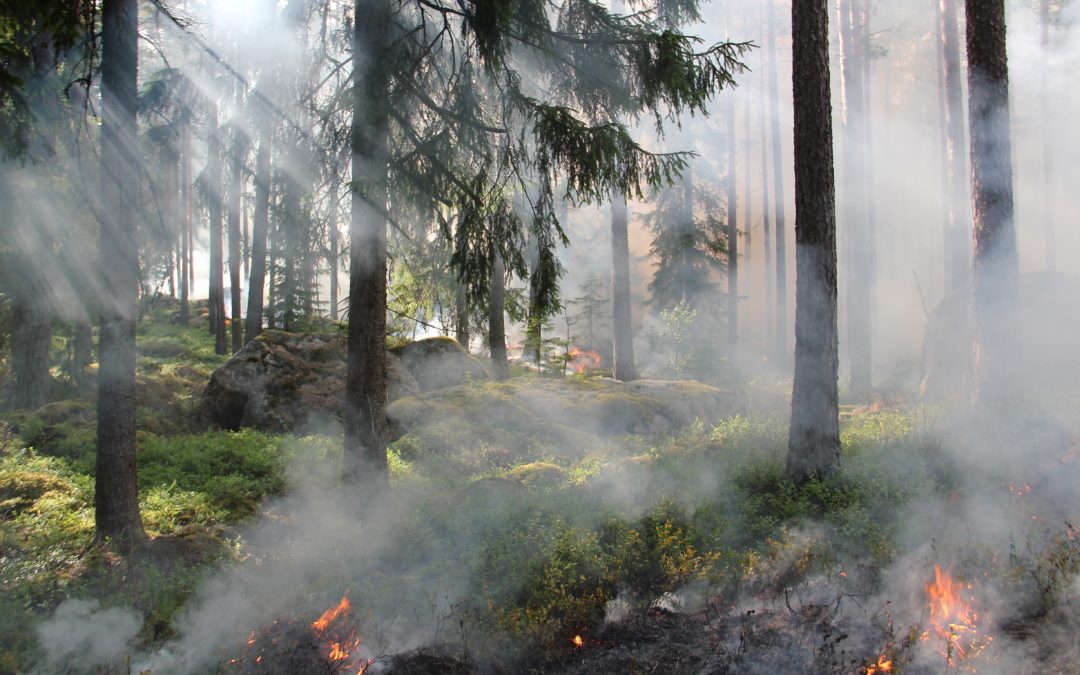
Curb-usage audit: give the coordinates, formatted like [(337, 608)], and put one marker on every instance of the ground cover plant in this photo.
[(504, 550)]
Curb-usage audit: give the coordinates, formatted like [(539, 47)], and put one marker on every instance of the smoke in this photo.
[(82, 633)]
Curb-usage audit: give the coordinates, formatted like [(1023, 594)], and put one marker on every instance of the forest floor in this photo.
[(940, 546)]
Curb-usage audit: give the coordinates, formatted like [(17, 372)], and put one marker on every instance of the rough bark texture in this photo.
[(958, 248), (856, 215), (364, 461), (814, 436), (623, 367), (995, 267), (461, 316), (116, 498), (500, 369), (260, 229), (780, 337)]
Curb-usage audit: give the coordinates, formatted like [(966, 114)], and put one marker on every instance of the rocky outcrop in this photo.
[(292, 381)]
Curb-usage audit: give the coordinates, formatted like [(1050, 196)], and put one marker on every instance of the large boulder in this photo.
[(439, 362), (1049, 321), (291, 381)]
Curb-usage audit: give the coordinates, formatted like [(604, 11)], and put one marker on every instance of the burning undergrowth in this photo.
[(681, 554)]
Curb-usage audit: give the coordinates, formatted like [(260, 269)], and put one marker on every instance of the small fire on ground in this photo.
[(953, 619), (582, 360), (328, 644)]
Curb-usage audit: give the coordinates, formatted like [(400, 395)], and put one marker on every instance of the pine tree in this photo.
[(814, 434)]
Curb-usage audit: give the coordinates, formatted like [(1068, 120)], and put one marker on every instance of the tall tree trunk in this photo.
[(780, 338), (814, 435), (1047, 139), (943, 140), (31, 337), (214, 200), (500, 369), (534, 329), (236, 188), (365, 378), (766, 226), (747, 200), (185, 220), (461, 315), (996, 270), (732, 232), (623, 368), (958, 255), (82, 351), (260, 227), (116, 497), (856, 219), (334, 234)]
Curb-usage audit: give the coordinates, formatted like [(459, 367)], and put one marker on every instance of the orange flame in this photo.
[(582, 360), (577, 641), (883, 665), (953, 618), (323, 622)]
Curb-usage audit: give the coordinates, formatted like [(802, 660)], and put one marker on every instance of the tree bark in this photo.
[(732, 233), (856, 218), (31, 337), (335, 237), (814, 435), (461, 315), (1047, 139), (995, 269), (766, 228), (214, 200), (364, 460), (185, 220), (236, 187), (623, 368), (260, 227), (500, 369), (958, 253), (116, 498), (780, 339)]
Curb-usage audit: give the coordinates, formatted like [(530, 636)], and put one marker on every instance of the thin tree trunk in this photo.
[(534, 329), (766, 226), (732, 232), (747, 200), (461, 315), (31, 337), (332, 231), (217, 254), (364, 459), (623, 368), (943, 140), (82, 351), (236, 186), (260, 228), (116, 498), (855, 201), (185, 221), (1047, 139), (996, 270), (958, 264), (814, 435), (500, 369), (780, 338)]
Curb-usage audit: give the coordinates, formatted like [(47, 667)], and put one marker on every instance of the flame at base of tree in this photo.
[(582, 360)]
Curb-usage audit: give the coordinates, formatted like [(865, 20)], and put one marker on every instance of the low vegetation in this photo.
[(515, 544)]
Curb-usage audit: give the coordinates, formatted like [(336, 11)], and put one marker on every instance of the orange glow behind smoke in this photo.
[(953, 618), (582, 360)]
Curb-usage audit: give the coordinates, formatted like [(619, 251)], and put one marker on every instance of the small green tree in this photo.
[(678, 325)]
